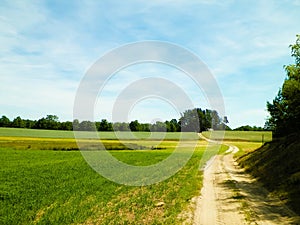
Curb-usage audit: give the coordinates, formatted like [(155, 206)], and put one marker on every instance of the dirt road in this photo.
[(230, 196)]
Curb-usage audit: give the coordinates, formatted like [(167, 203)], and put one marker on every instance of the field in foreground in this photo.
[(59, 187)]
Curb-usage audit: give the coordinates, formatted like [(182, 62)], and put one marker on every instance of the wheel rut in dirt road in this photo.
[(230, 196)]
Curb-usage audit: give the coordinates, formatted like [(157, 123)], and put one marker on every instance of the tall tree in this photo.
[(86, 126), (66, 125), (51, 122), (120, 126), (76, 124), (134, 125), (189, 121), (4, 122), (172, 126), (104, 125), (285, 108), (159, 127), (18, 122)]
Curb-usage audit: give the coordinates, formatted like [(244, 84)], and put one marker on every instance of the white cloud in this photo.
[(45, 48)]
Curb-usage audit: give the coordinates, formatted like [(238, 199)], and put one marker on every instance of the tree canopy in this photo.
[(250, 128), (193, 120), (285, 108)]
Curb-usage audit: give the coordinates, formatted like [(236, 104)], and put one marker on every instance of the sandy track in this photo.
[(230, 196)]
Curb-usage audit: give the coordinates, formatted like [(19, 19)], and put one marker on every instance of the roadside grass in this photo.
[(276, 165), (252, 136), (244, 147)]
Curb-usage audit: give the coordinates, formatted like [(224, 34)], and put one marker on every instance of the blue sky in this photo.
[(48, 46)]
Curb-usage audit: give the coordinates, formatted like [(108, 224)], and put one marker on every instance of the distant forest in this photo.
[(192, 120)]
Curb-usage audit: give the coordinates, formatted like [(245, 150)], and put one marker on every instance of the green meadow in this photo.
[(45, 180), (20, 132), (239, 136)]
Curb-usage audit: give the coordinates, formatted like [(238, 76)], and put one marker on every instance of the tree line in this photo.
[(192, 120), (251, 128)]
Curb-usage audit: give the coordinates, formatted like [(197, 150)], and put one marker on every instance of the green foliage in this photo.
[(50, 123), (18, 122), (134, 126), (121, 126), (4, 122), (87, 126), (285, 108), (198, 120), (66, 125), (159, 127), (195, 120), (276, 164), (104, 125), (173, 126), (249, 128)]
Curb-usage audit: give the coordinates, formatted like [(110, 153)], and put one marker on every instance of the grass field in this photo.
[(250, 136), (17, 132), (69, 144), (59, 187)]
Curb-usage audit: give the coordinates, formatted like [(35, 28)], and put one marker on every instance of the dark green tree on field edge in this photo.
[(285, 108)]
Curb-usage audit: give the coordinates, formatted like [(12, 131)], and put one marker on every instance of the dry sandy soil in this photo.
[(231, 196)]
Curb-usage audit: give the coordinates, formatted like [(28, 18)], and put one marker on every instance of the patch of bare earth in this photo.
[(231, 196)]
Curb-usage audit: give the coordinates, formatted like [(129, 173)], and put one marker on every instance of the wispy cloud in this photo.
[(48, 46)]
